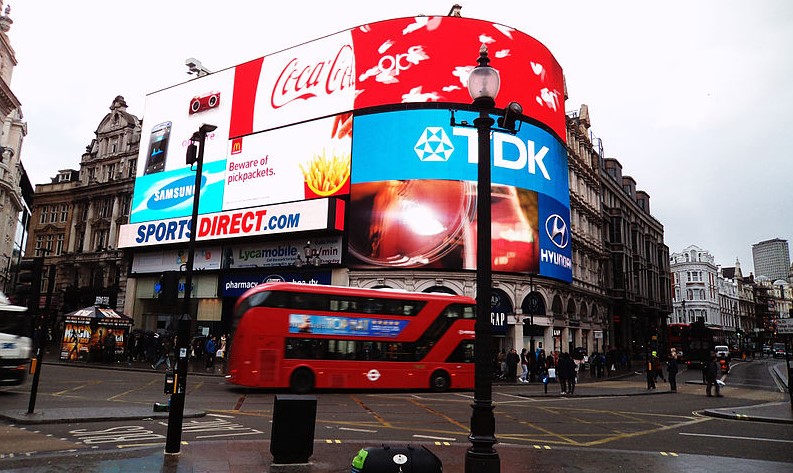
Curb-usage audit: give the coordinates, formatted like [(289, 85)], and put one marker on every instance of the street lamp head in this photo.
[(484, 82), (206, 128)]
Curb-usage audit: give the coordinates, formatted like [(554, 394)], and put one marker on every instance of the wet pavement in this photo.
[(327, 456)]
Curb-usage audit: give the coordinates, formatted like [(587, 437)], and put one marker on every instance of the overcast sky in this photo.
[(693, 97)]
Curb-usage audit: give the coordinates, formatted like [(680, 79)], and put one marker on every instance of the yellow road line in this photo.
[(438, 414)]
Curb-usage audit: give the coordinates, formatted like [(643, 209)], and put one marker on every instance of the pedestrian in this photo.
[(566, 371), (210, 348), (651, 373), (659, 369), (524, 366), (512, 365), (561, 374), (109, 346), (671, 369), (502, 363), (166, 349), (711, 376)]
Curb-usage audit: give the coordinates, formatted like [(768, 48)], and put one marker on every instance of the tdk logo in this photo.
[(434, 145), (526, 155), (174, 193)]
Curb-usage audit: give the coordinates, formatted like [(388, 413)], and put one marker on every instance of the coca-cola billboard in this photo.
[(405, 60)]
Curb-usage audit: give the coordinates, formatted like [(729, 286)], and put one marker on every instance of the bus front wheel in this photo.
[(302, 381), (439, 381)]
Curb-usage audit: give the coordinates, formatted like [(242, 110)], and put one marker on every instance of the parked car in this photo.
[(779, 350)]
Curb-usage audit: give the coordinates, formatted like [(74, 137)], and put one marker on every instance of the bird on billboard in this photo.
[(455, 11)]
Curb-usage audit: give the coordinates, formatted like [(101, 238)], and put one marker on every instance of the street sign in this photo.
[(784, 326)]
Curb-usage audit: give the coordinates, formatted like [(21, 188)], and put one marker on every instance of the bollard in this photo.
[(292, 436)]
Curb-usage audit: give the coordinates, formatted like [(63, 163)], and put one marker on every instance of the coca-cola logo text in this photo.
[(300, 81)]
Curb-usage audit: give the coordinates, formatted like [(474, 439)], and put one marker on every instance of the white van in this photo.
[(722, 351)]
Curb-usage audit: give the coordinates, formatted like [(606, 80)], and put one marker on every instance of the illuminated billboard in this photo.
[(413, 195), (320, 121)]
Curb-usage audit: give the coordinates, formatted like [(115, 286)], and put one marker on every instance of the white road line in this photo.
[(759, 439), (434, 438), (255, 432), (221, 415), (358, 430)]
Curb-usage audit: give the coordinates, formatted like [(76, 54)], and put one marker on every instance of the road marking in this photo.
[(220, 415), (434, 438), (439, 414), (350, 429), (255, 432), (332, 441), (759, 439), (669, 454), (445, 444)]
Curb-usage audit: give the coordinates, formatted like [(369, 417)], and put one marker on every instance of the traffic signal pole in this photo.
[(176, 411)]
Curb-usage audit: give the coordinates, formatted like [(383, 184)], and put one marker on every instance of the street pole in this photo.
[(176, 409), (481, 457)]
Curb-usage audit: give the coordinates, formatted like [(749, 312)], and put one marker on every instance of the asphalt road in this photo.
[(632, 431)]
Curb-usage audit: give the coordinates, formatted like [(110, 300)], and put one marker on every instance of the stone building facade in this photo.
[(76, 217), (636, 268), (15, 189)]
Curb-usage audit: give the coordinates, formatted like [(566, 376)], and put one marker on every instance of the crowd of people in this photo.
[(160, 349)]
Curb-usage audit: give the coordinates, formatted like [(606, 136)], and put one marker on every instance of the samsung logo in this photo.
[(174, 193)]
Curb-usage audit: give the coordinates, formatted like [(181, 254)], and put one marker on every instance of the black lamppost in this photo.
[(195, 155), (483, 85)]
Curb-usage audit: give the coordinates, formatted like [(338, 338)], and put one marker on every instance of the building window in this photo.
[(133, 164), (53, 214), (59, 245), (106, 207), (64, 212), (43, 216), (39, 244), (100, 237)]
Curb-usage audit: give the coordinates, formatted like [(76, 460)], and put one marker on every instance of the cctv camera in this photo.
[(192, 63)]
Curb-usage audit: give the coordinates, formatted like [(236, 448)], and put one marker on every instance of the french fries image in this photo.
[(325, 176)]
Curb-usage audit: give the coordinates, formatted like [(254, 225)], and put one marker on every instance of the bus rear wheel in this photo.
[(301, 381), (439, 382)]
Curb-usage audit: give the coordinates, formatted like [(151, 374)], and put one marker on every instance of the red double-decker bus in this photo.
[(305, 337), (694, 342)]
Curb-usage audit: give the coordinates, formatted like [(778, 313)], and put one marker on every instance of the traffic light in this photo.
[(169, 287), (28, 288)]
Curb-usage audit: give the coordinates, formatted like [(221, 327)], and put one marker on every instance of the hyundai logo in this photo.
[(556, 229)]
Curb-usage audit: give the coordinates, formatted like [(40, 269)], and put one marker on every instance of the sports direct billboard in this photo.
[(319, 121)]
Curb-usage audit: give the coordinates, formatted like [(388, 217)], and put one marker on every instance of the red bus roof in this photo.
[(358, 291)]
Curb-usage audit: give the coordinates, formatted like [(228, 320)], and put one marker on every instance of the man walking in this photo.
[(671, 368), (711, 376)]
